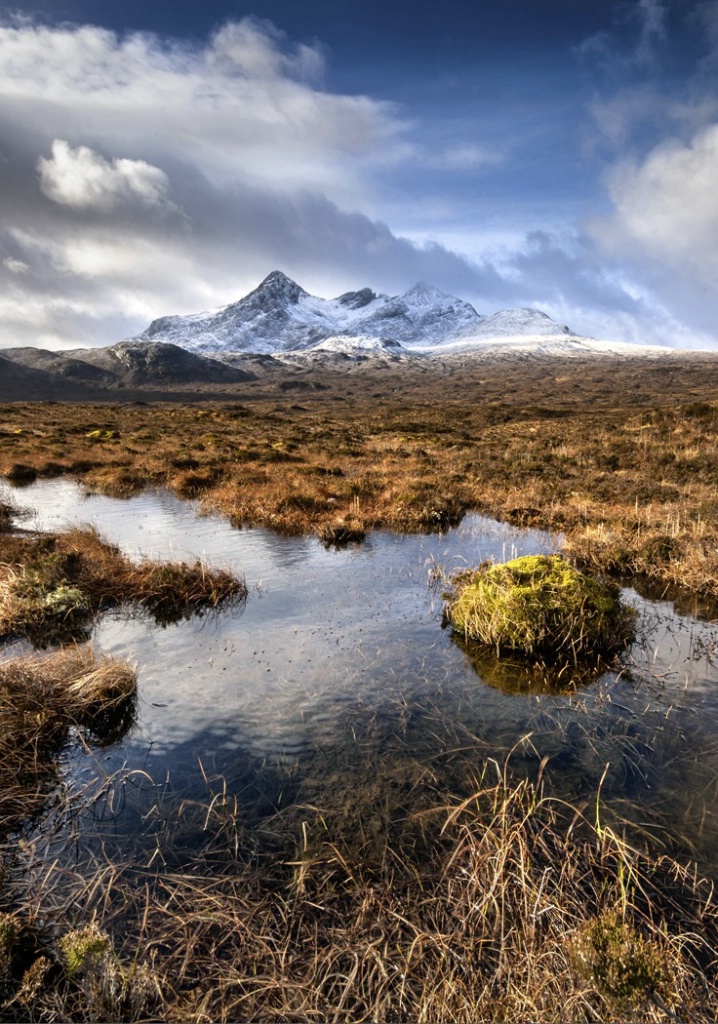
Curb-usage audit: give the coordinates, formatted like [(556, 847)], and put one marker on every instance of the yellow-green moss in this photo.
[(624, 966), (84, 949), (542, 606)]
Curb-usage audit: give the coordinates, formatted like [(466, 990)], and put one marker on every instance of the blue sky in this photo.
[(163, 157)]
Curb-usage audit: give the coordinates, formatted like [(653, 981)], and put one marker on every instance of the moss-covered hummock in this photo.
[(542, 606)]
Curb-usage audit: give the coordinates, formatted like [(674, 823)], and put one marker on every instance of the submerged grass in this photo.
[(7, 515), (51, 584), (525, 910)]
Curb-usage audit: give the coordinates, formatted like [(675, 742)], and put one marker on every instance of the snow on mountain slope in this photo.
[(514, 322), (525, 346), (359, 344), (280, 316), (421, 314)]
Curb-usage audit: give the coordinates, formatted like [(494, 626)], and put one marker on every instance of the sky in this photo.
[(163, 156)]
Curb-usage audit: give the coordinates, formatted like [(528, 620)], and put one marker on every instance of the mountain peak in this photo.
[(357, 300), (422, 288), (278, 286), (523, 320)]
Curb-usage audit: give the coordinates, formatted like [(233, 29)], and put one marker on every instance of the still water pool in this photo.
[(336, 674)]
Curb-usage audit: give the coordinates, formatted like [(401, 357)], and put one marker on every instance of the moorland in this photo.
[(619, 455), (503, 904)]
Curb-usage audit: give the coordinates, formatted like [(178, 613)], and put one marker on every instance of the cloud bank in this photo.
[(666, 207), (141, 176), (662, 228)]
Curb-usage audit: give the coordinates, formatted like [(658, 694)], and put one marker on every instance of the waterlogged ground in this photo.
[(336, 678)]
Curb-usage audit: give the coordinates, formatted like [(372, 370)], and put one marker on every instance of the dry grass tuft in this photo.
[(41, 699), (51, 585)]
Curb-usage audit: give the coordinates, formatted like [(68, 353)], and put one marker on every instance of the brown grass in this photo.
[(51, 584), (629, 476), (506, 905), (41, 700), (525, 911)]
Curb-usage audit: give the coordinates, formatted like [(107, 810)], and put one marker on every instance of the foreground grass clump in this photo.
[(50, 585), (543, 607), (42, 698), (514, 911)]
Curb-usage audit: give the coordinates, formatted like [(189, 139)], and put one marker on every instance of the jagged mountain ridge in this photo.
[(280, 316)]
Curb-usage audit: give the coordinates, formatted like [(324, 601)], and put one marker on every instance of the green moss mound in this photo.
[(542, 606)]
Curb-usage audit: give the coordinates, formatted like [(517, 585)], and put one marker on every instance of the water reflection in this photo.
[(698, 606), (512, 673), (336, 680)]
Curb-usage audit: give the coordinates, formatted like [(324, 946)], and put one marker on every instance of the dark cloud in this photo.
[(567, 273)]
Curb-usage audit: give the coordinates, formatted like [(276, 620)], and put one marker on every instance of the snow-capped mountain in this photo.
[(280, 316)]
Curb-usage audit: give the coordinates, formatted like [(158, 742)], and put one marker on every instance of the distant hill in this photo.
[(127, 364), (25, 383)]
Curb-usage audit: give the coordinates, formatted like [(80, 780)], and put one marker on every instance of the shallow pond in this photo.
[(336, 677)]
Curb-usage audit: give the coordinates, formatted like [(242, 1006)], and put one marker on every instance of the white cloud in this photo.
[(83, 179), (243, 106), (635, 42), (15, 266), (652, 19), (463, 157), (253, 49), (666, 208)]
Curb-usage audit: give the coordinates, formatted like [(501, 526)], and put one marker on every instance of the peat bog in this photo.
[(459, 838)]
